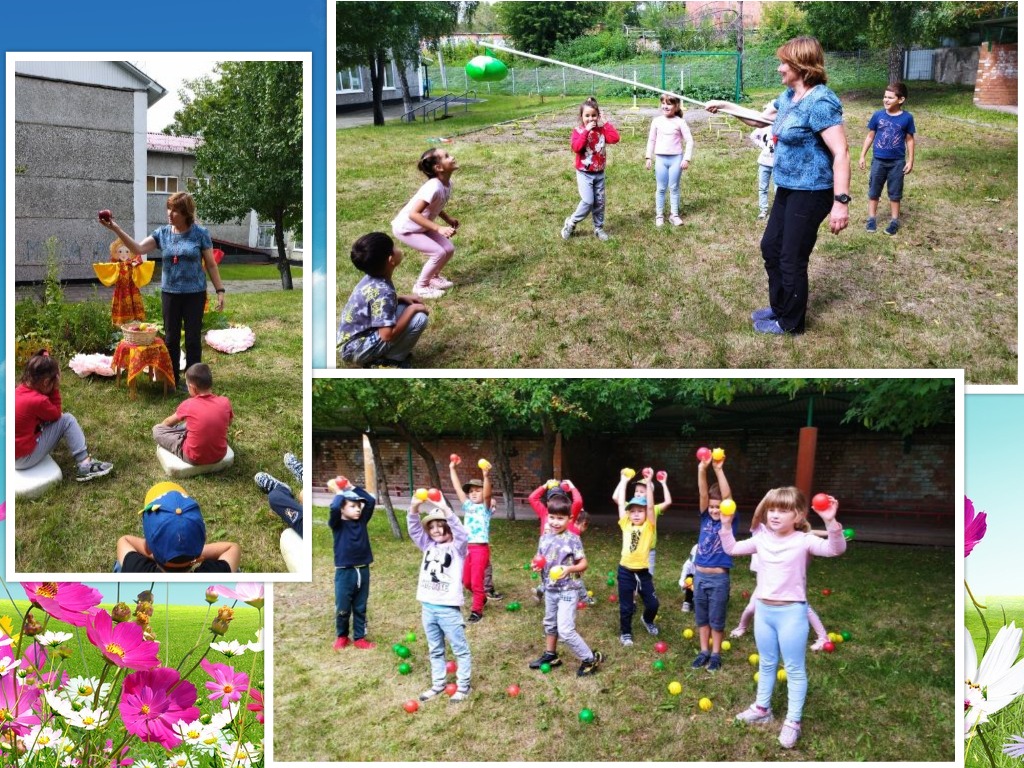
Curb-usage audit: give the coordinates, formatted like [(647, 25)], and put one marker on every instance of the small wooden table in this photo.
[(136, 359)]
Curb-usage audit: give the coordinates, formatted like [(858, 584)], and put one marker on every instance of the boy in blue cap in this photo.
[(174, 538), (351, 511), (637, 521)]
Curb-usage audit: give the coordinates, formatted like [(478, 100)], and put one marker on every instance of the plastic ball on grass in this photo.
[(756, 676), (586, 716), (410, 637), (845, 635), (675, 688), (411, 706), (780, 675), (610, 582), (658, 665), (829, 647), (661, 646), (451, 688), (726, 645), (545, 667), (754, 659), (688, 633), (512, 690), (705, 704), (839, 638), (404, 669), (403, 652)]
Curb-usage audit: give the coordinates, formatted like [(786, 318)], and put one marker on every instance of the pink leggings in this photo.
[(435, 246)]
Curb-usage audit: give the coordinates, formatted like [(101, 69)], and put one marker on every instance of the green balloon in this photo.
[(586, 716), (845, 635), (486, 69), (403, 652), (545, 667), (658, 665), (404, 669)]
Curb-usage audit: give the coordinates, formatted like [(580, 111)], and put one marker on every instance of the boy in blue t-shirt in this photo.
[(891, 132), (378, 327)]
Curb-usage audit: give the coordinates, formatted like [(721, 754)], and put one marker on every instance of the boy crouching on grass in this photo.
[(444, 542)]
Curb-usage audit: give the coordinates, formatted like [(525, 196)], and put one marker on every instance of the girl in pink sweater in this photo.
[(669, 132), (784, 548)]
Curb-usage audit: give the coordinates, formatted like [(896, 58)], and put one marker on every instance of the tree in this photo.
[(250, 122), (780, 22), (537, 27)]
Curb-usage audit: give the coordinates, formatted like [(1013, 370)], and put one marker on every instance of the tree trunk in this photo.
[(417, 445), (282, 255), (377, 87), (403, 78), (504, 467), (382, 486), (547, 467), (896, 51)]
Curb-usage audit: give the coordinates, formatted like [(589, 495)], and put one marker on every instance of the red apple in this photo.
[(703, 454), (821, 502), (104, 216), (434, 495)]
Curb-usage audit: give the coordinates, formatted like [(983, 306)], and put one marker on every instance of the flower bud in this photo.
[(144, 606), (142, 620), (63, 651), (121, 613), (145, 596), (211, 595), (219, 627), (31, 627)]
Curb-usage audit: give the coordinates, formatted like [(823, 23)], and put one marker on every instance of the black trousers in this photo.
[(786, 248), (183, 309)]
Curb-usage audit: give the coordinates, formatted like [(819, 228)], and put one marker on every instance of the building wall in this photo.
[(997, 75), (70, 162), (364, 98), (955, 66)]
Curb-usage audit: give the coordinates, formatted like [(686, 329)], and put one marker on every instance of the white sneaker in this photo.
[(600, 234), (438, 281), (659, 220), (567, 228), (427, 292), (676, 221), (754, 715), (626, 640), (789, 734)]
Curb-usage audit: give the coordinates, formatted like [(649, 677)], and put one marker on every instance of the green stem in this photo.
[(245, 698), (988, 751), (81, 649), (979, 608), (11, 598)]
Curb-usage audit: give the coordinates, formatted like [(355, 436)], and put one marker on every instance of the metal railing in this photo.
[(441, 103)]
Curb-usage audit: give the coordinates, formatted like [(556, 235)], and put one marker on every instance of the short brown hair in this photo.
[(898, 88), (183, 203), (199, 376), (805, 55), (559, 504)]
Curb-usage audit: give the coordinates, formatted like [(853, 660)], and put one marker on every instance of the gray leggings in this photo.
[(65, 427)]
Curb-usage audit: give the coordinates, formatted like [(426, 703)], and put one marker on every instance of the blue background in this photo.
[(225, 25)]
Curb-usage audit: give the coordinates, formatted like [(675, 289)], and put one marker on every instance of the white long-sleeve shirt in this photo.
[(782, 571), (667, 137)]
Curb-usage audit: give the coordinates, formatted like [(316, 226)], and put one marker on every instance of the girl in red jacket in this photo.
[(40, 423), (589, 142)]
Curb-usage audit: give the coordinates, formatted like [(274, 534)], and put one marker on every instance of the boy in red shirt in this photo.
[(197, 432)]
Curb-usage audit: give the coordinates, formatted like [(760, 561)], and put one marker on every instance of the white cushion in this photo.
[(33, 482), (293, 550), (175, 467)]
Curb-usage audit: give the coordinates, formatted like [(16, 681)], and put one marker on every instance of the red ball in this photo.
[(647, 472), (613, 598), (746, 595), (581, 604), (662, 475), (829, 646), (104, 215), (512, 690), (821, 502), (411, 705), (434, 495), (661, 646), (703, 454), (451, 688), (455, 459), (538, 562), (450, 667), (826, 592)]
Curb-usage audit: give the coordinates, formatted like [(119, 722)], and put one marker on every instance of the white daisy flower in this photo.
[(257, 645), (230, 649), (997, 682), (50, 638)]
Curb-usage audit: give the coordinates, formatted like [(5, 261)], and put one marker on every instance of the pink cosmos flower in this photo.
[(974, 526), (70, 602), (250, 592), (153, 701), (256, 705), (227, 685), (18, 705), (122, 645), (3, 511)]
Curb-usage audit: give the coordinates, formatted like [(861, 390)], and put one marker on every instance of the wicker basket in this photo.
[(137, 337)]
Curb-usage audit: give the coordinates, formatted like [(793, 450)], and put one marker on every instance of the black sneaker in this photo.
[(546, 658), (714, 663), (702, 658), (291, 461), (267, 482), (492, 595), (474, 617), (92, 470), (893, 227), (590, 667)]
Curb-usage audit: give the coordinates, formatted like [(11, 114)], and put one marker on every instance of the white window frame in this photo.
[(156, 184), (354, 73), (389, 69)]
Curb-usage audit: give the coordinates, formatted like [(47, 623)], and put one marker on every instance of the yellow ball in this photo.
[(832, 636), (421, 494), (688, 633), (726, 645), (705, 704), (717, 455), (484, 464), (754, 659), (556, 572), (628, 472), (781, 675), (590, 593), (756, 675), (839, 638), (727, 507), (675, 688)]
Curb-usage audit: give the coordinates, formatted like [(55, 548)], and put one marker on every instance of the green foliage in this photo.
[(710, 91), (902, 405), (780, 22), (958, 19), (588, 50), (537, 27)]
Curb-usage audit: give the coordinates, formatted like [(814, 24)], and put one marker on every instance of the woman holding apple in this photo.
[(186, 248)]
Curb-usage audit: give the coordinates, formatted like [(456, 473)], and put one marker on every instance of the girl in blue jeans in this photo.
[(665, 143)]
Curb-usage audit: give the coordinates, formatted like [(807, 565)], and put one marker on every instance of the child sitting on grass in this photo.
[(174, 538), (283, 502), (637, 522), (443, 540), (40, 422), (378, 327), (564, 559), (197, 432), (351, 510)]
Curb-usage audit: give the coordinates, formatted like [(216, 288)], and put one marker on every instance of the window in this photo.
[(161, 185), (350, 79), (389, 75), (265, 238)]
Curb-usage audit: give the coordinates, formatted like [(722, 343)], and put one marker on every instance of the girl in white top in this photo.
[(669, 133), (415, 224), (784, 547)]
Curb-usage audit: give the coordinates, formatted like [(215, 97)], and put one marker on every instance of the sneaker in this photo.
[(765, 313), (459, 696), (291, 461), (626, 640), (474, 617), (789, 734), (871, 226), (340, 643), (755, 715), (702, 658), (538, 594), (567, 228), (267, 482), (715, 662), (363, 644), (590, 600), (600, 234), (590, 667), (427, 292), (769, 326), (676, 221), (439, 281), (762, 215), (92, 470), (687, 607), (548, 657), (738, 632), (652, 628), (892, 229), (819, 644), (659, 220), (431, 693), (492, 595)]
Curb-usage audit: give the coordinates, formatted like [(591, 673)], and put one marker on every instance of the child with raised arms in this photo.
[(711, 580), (475, 497), (637, 523)]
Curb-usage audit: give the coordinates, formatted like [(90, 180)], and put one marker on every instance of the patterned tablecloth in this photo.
[(136, 358)]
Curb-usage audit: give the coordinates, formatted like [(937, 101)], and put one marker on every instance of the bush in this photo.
[(610, 45)]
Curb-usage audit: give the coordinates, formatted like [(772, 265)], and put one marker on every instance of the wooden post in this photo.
[(805, 459), (369, 468)]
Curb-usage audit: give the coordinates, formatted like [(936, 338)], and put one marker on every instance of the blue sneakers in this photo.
[(769, 326), (893, 227), (872, 225), (765, 313)]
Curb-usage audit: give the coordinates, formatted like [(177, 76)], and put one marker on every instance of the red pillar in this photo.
[(805, 459)]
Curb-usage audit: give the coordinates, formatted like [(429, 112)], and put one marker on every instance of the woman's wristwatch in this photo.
[(221, 290), (843, 198)]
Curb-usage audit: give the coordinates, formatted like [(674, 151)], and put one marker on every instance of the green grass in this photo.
[(74, 528), (940, 294), (885, 695), (255, 272)]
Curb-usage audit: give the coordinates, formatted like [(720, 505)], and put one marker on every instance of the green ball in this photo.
[(526, 566), (534, 575), (512, 607), (586, 716), (848, 534), (845, 635), (658, 665), (410, 637), (610, 582), (403, 652), (404, 669), (545, 667), (611, 574)]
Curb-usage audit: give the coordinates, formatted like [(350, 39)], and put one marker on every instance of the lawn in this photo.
[(884, 695), (74, 528), (942, 293)]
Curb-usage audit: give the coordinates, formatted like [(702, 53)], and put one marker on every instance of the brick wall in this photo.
[(864, 470), (996, 83)]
